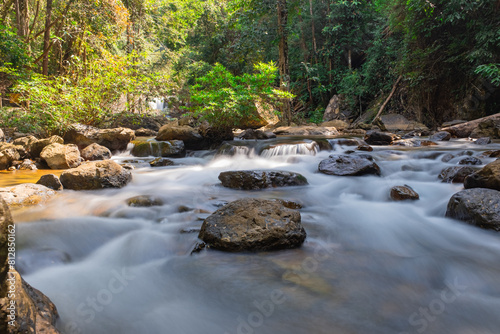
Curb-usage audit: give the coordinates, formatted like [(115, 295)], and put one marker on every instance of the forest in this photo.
[(67, 61)]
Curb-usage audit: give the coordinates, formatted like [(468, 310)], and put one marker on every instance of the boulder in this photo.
[(50, 181), (253, 225), (337, 108), (305, 131), (488, 128), (491, 154), (34, 312), (37, 146), (27, 164), (96, 175), (60, 156), (143, 201), (487, 177), (26, 142), (142, 132), (441, 136), (470, 161), (455, 174), (256, 134), (259, 114), (95, 152), (337, 124), (161, 162), (413, 142), (479, 207), (349, 165), (234, 148), (403, 193), (375, 137), (190, 136), (260, 179), (396, 122), (115, 139), (7, 156), (364, 147), (483, 141), (26, 194), (2, 135), (171, 148)]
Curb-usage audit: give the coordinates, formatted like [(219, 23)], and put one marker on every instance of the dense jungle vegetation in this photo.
[(65, 61)]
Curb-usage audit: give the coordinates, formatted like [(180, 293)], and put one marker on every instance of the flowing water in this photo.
[(368, 265)]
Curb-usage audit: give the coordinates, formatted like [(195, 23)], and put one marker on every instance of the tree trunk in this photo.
[(284, 68), (312, 26), (464, 130), (22, 18), (46, 38)]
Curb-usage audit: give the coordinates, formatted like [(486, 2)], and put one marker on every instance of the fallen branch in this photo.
[(388, 98)]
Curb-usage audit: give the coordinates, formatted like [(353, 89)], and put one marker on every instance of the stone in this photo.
[(2, 135), (470, 161), (337, 124), (487, 177), (256, 134), (116, 139), (161, 162), (483, 141), (413, 142), (479, 207), (96, 175), (441, 136), (51, 181), (364, 147), (455, 174), (27, 164), (349, 165), (26, 142), (60, 156), (403, 193), (143, 201), (250, 224), (142, 132), (396, 122), (95, 152), (35, 313), (7, 156), (488, 128), (26, 194), (374, 137), (344, 142), (37, 146), (190, 136), (171, 148), (491, 154), (447, 157), (260, 179), (305, 131)]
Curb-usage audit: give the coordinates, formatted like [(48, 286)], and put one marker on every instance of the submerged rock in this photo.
[(483, 141), (260, 179), (34, 312), (161, 162), (487, 177), (60, 156), (171, 148), (470, 161), (349, 165), (253, 225), (51, 181), (479, 207), (144, 201), (96, 175), (95, 152), (455, 174), (26, 194), (402, 193)]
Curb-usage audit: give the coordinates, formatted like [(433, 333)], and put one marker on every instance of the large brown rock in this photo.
[(190, 136), (95, 152), (396, 122), (2, 135), (374, 137), (34, 312), (96, 175), (115, 139), (252, 225), (50, 181), (479, 207), (37, 146), (403, 193), (487, 177), (146, 148), (59, 156), (260, 179), (455, 174), (8, 154), (26, 194), (349, 165)]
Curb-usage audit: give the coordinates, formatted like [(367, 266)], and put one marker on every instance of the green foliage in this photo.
[(225, 100), (490, 72)]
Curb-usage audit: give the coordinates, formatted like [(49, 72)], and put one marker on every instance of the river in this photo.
[(368, 265)]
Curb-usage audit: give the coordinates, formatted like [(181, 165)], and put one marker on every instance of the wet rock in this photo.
[(34, 312), (37, 146), (441, 136), (96, 175), (27, 164), (488, 128), (256, 134), (191, 137), (142, 132), (260, 179), (483, 141), (115, 139), (336, 123), (95, 152), (479, 207), (233, 149), (375, 137), (487, 177), (143, 201), (349, 165), (306, 131), (60, 156), (26, 194), (470, 161), (171, 148), (8, 155), (364, 147), (290, 204), (403, 193), (455, 174), (412, 142), (253, 225), (323, 144), (491, 154), (447, 157), (51, 181), (344, 142), (161, 162)]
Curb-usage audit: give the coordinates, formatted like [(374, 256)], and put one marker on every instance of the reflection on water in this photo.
[(368, 265), (8, 179)]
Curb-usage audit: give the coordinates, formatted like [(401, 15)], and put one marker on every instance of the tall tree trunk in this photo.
[(22, 18), (46, 38), (284, 68), (312, 27)]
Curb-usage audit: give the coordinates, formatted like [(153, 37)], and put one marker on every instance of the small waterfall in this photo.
[(311, 148)]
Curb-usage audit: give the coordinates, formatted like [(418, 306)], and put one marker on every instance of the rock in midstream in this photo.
[(260, 179)]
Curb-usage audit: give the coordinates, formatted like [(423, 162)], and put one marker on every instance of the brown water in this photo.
[(9, 179)]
